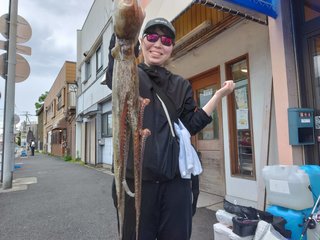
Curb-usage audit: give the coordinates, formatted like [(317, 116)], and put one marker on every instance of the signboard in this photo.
[(22, 67), (24, 31), (20, 49), (267, 7)]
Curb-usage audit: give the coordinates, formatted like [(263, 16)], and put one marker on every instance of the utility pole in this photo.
[(13, 68), (8, 136)]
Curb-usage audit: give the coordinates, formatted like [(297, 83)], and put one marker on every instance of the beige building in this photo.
[(59, 113), (39, 137)]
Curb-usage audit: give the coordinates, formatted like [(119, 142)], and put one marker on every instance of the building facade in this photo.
[(93, 117), (59, 113), (306, 32), (215, 44), (39, 138), (274, 62)]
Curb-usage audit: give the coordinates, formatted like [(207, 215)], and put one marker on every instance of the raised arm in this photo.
[(211, 105)]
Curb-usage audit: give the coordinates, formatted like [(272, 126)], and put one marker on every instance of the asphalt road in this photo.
[(58, 200)]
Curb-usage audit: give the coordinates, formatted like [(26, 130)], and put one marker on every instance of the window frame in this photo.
[(105, 133), (53, 107), (87, 70), (61, 99), (99, 59), (235, 170)]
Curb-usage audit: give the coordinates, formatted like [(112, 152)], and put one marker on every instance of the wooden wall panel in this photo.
[(196, 15)]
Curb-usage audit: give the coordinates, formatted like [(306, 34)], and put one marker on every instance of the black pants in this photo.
[(32, 151), (195, 192), (166, 211)]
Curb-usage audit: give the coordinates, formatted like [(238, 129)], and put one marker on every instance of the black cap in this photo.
[(162, 22)]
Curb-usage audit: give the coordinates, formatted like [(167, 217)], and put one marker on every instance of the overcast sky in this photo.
[(54, 26)]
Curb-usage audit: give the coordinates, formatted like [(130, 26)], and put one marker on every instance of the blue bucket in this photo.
[(313, 172), (294, 218)]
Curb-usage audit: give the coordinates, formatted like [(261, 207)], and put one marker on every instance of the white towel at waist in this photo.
[(189, 162)]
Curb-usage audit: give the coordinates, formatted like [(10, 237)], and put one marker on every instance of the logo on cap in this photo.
[(161, 21)]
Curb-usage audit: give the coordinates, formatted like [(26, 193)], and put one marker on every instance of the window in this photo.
[(107, 124), (314, 46), (59, 104), (60, 99), (56, 137), (99, 59), (87, 70), (240, 123), (72, 95), (46, 115), (53, 108), (49, 111), (211, 131)]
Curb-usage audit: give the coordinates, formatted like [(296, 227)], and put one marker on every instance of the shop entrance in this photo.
[(209, 142)]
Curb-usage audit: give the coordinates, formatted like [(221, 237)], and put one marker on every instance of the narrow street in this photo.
[(58, 200)]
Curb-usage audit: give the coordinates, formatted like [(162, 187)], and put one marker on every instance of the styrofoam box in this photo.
[(222, 232), (224, 217)]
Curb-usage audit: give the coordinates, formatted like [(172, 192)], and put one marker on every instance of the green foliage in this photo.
[(38, 105), (43, 96), (18, 139), (41, 100), (67, 158)]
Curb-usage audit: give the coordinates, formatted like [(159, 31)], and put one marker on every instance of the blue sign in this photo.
[(267, 7)]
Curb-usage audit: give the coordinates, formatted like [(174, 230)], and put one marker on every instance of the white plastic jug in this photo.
[(287, 186)]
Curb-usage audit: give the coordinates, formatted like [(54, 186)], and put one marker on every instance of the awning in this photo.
[(267, 7), (61, 124), (255, 10), (90, 111), (240, 10)]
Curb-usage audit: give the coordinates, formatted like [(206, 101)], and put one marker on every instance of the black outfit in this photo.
[(166, 211), (32, 146), (32, 151), (195, 188)]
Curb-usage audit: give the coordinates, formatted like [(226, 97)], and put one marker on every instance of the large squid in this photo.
[(127, 105)]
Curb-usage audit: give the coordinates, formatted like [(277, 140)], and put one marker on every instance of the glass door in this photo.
[(314, 50), (313, 78)]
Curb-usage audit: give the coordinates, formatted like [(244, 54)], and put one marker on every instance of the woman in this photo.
[(166, 207)]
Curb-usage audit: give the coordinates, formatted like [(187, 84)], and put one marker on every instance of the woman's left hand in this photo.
[(227, 88)]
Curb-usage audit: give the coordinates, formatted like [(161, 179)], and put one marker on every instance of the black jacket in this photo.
[(180, 92)]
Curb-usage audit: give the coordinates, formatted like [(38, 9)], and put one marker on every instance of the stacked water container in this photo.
[(289, 194)]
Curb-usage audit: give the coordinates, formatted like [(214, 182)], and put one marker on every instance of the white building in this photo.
[(93, 136), (250, 127)]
